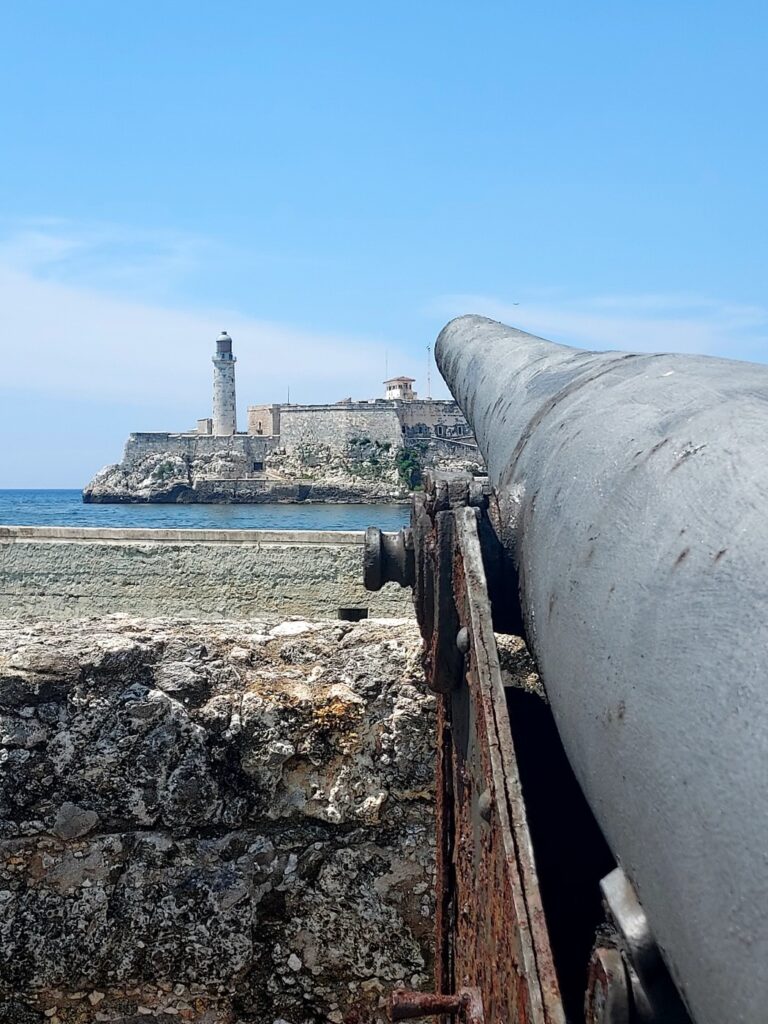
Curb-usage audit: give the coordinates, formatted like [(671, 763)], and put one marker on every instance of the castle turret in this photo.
[(224, 405)]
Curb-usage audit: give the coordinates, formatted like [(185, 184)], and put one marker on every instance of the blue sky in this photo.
[(332, 182)]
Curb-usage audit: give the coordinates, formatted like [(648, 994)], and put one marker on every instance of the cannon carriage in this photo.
[(602, 844)]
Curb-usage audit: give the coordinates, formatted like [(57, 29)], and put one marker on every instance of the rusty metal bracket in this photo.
[(466, 1006)]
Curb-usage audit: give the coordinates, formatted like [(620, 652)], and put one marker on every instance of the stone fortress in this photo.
[(370, 450)]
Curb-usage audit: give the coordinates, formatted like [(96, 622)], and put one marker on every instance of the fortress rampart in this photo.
[(195, 446), (382, 421), (337, 425)]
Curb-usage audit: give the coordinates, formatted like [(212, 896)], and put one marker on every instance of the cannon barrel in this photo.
[(633, 497)]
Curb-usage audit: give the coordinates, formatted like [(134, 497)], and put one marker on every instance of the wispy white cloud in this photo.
[(85, 313), (103, 256), (67, 327), (641, 323)]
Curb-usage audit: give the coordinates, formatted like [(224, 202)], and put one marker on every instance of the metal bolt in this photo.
[(467, 1005), (462, 640), (405, 1005)]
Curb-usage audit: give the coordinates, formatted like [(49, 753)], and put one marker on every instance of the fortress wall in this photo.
[(249, 449), (427, 417), (139, 446), (63, 572), (332, 425), (338, 425), (387, 421), (266, 415)]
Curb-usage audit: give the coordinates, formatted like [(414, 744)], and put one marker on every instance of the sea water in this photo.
[(66, 508)]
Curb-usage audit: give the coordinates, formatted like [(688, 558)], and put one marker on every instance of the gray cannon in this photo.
[(628, 503)]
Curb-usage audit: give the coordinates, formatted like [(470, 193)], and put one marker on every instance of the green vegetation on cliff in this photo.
[(409, 466)]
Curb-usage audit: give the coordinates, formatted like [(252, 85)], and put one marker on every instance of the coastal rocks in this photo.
[(160, 476), (215, 823), (365, 471)]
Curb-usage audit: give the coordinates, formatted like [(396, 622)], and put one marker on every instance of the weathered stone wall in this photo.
[(203, 574), (264, 419), (424, 417), (194, 446), (337, 425), (221, 823)]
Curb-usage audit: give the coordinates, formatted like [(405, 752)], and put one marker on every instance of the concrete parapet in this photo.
[(64, 572)]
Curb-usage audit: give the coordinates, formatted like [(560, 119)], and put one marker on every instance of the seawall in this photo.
[(65, 572)]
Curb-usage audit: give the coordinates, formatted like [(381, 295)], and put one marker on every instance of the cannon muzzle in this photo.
[(633, 501)]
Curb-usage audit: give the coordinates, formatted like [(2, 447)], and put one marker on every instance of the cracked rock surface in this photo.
[(213, 822)]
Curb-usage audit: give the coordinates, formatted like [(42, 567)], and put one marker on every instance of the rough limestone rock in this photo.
[(364, 471), (212, 822)]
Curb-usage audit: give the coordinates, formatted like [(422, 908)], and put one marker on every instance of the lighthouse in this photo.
[(224, 406)]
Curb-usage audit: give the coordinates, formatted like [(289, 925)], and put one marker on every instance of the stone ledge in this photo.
[(66, 572), (301, 538)]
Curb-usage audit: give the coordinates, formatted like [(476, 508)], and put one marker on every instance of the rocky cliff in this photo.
[(364, 471), (215, 823), (361, 470)]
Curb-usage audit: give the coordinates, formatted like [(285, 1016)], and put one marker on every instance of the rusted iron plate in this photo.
[(494, 932), (424, 567), (441, 660), (444, 885)]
